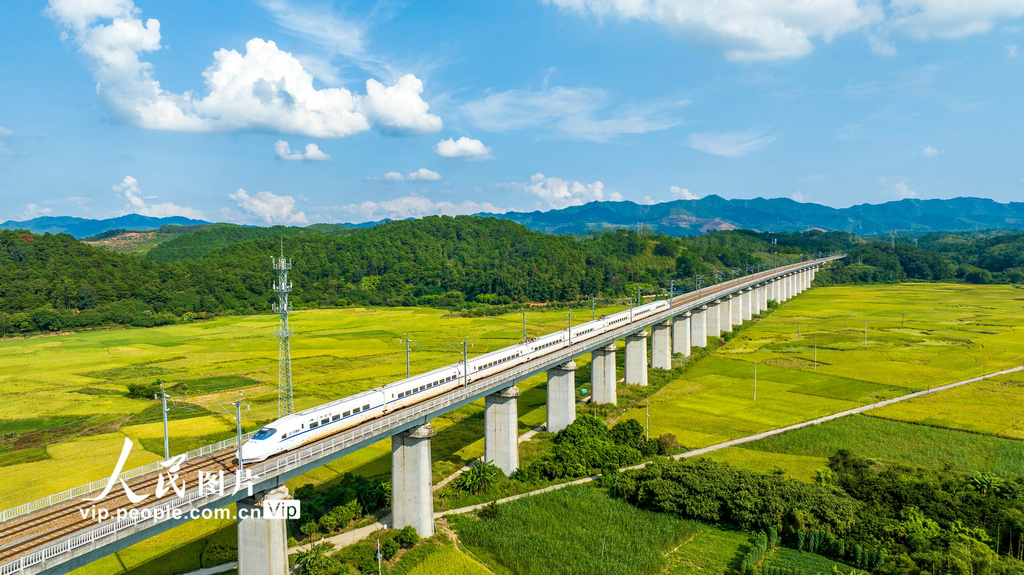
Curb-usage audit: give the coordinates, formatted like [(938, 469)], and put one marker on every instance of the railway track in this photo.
[(23, 535)]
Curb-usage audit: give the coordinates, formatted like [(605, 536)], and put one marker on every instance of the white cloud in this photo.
[(729, 144), (930, 152), (745, 30), (32, 211), (311, 153), (881, 46), (6, 132), (462, 148), (798, 197), (129, 190), (424, 175), (683, 193), (572, 112), (266, 88), (1012, 50), (897, 186), (269, 207), (556, 193), (413, 206), (951, 19)]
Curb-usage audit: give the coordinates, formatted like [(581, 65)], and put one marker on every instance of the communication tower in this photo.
[(283, 334)]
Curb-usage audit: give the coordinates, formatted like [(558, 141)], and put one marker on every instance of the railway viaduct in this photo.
[(53, 536)]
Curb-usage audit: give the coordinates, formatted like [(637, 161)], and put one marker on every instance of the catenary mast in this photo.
[(283, 334)]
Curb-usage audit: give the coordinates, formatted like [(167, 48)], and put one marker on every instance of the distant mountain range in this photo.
[(83, 228), (677, 218), (692, 217)]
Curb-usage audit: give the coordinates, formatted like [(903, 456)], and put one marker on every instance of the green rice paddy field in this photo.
[(63, 412)]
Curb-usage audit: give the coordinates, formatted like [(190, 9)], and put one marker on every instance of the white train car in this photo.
[(315, 423)]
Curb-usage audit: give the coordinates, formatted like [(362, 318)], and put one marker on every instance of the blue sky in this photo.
[(279, 111)]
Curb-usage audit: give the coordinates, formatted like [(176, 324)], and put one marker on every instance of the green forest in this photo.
[(55, 282)]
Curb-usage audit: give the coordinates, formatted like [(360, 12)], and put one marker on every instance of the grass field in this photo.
[(918, 336), (899, 442), (63, 412), (574, 530)]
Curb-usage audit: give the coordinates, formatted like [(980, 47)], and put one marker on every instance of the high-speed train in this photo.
[(297, 429)]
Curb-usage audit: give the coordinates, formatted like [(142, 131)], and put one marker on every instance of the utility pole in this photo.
[(238, 422), (283, 333), (407, 342), (697, 280), (593, 307), (671, 289), (163, 404), (570, 327), (815, 354), (865, 332), (465, 362), (648, 410), (524, 326), (755, 380)]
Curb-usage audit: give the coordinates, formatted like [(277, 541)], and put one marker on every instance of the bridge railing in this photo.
[(376, 430), (98, 485)]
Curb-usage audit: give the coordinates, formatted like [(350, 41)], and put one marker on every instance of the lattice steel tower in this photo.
[(283, 334)]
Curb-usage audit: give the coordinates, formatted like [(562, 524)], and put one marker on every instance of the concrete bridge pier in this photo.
[(561, 396), (636, 358), (699, 327), (736, 310), (661, 345), (412, 499), (725, 315), (755, 303), (714, 318), (262, 543), (501, 429), (764, 297), (681, 334), (786, 283), (773, 291), (747, 307), (602, 375)]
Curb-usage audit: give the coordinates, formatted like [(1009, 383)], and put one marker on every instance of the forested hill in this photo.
[(52, 282)]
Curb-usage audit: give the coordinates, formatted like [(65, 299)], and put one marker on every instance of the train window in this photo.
[(365, 407), (336, 418), (314, 425), (325, 421), (356, 410), (264, 433), (346, 414)]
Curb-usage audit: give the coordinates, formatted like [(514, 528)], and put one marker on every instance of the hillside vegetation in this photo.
[(54, 282)]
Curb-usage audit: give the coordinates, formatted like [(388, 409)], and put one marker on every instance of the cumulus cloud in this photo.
[(746, 31), (556, 193), (413, 206), (929, 152), (572, 112), (462, 148), (944, 19), (32, 211), (798, 197), (265, 88), (1011, 50), (683, 193), (881, 46), (311, 153), (6, 132), (130, 191), (897, 186), (729, 144), (422, 174), (269, 207)]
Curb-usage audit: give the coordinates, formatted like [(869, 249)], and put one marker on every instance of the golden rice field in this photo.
[(918, 336)]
